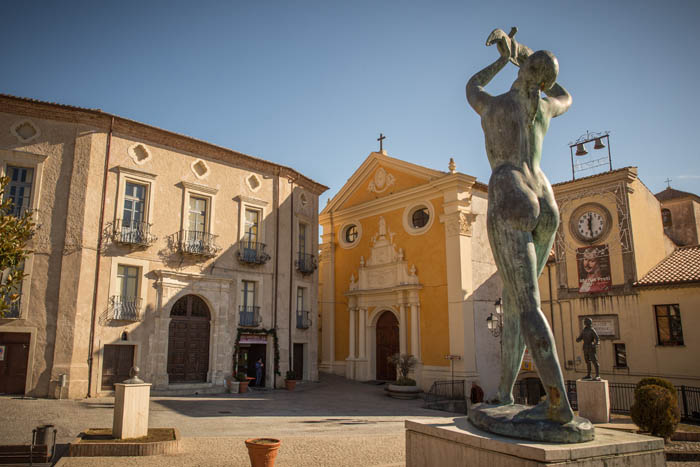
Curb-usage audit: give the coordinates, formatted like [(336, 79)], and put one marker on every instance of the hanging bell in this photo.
[(598, 143), (580, 150)]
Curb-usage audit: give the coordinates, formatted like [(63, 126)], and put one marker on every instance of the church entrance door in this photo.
[(387, 345), (188, 341)]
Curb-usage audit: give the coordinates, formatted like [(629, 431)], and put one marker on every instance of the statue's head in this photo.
[(541, 68), (587, 321)]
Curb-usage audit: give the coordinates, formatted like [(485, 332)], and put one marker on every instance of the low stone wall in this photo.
[(80, 448)]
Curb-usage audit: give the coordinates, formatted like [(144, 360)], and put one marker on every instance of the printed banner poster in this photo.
[(593, 269)]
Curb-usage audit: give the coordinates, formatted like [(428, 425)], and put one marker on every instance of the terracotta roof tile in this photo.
[(670, 193), (681, 266)]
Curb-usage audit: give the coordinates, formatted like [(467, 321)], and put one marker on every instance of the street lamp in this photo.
[(495, 321)]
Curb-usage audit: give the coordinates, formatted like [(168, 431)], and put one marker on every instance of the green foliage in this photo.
[(405, 362), (241, 377), (664, 383), (290, 375), (405, 382), (260, 332), (655, 410), (15, 232)]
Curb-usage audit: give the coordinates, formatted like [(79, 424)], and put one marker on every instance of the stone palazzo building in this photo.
[(153, 249)]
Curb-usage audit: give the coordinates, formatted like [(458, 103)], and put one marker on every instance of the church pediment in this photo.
[(379, 176)]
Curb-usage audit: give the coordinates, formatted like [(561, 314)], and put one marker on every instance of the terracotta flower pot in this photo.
[(243, 387), (290, 383), (262, 451)]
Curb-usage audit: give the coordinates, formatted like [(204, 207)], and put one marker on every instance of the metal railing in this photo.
[(621, 397), (249, 316), (133, 233), (125, 308), (252, 252), (306, 263), (303, 320), (195, 242), (445, 391)]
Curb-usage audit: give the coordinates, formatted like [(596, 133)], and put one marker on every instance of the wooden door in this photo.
[(116, 362), (387, 345), (299, 360), (188, 341), (14, 361)]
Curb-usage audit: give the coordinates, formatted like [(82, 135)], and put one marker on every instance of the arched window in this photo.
[(666, 217)]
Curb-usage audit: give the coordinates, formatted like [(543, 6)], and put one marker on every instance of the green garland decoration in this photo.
[(260, 332)]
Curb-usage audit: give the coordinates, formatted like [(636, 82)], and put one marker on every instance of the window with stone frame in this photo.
[(19, 189), (620, 355), (669, 329)]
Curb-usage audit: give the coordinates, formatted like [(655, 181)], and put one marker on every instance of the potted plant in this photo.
[(262, 451), (404, 387), (242, 379), (290, 380), (231, 384)]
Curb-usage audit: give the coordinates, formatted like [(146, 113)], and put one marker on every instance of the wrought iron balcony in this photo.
[(303, 319), (195, 242), (133, 233), (249, 316), (252, 253), (125, 308), (306, 263)]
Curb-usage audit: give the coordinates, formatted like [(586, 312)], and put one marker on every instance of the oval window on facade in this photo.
[(420, 218), (351, 233)]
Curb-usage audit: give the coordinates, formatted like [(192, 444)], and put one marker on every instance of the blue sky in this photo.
[(312, 84)]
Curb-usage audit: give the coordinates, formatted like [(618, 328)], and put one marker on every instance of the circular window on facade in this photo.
[(420, 218), (351, 233)]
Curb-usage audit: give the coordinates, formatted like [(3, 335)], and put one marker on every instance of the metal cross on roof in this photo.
[(668, 182), (381, 140)]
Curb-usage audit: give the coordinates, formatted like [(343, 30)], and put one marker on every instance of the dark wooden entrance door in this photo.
[(13, 362), (188, 341), (299, 360), (116, 363), (387, 345)]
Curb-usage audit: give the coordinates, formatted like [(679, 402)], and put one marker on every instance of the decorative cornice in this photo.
[(198, 187), (129, 171), (132, 129), (248, 200)]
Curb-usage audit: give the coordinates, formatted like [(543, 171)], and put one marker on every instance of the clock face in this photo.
[(590, 225)]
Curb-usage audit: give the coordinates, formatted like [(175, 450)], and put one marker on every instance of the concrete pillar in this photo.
[(362, 334), (415, 331), (351, 341), (402, 328)]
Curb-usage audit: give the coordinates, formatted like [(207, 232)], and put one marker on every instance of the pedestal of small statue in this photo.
[(593, 400), (131, 410)]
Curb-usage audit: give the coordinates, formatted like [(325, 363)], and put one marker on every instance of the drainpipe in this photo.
[(291, 265), (276, 207), (93, 319)]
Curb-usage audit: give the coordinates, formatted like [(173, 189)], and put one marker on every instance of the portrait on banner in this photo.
[(593, 269)]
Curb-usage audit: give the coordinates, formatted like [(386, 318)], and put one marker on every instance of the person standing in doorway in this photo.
[(258, 372)]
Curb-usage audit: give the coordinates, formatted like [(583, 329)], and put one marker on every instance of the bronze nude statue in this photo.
[(522, 220)]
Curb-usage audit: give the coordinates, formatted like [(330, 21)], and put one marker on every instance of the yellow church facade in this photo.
[(406, 267)]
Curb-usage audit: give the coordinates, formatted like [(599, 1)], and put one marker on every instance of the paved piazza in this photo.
[(333, 422)]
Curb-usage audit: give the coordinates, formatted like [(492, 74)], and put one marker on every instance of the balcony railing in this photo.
[(306, 263), (195, 242), (249, 316), (125, 308), (252, 253), (303, 319), (133, 233)]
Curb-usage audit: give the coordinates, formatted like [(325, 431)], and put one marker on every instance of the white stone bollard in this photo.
[(131, 410), (593, 400)]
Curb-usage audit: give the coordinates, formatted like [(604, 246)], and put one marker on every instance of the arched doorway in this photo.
[(387, 345), (188, 341)]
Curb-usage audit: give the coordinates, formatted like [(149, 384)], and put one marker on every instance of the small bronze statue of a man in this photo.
[(590, 341)]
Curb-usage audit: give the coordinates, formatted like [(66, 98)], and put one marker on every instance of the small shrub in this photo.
[(405, 382), (405, 362), (664, 383), (655, 410), (290, 375), (241, 377)]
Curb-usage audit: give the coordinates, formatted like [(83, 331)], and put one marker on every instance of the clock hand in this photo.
[(590, 223)]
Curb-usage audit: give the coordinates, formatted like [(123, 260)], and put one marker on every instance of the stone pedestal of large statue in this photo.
[(456, 442), (593, 400), (131, 410)]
